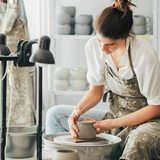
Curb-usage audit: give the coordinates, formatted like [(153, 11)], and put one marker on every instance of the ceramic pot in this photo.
[(84, 19), (79, 85), (139, 20), (61, 84), (91, 28), (63, 18), (67, 9), (86, 130), (78, 73), (82, 29), (140, 30), (63, 29), (68, 154), (72, 21), (61, 73), (72, 30)]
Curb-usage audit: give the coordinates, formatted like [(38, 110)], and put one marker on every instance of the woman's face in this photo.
[(109, 46)]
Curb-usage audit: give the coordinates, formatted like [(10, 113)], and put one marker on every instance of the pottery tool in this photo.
[(76, 140)]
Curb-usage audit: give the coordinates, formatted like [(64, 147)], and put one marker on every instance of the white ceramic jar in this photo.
[(67, 9), (139, 20), (66, 154), (61, 84), (78, 73), (79, 85), (63, 29), (140, 30), (63, 18), (61, 73), (84, 19), (82, 29)]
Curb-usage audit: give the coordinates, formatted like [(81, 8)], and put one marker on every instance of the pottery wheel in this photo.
[(62, 140)]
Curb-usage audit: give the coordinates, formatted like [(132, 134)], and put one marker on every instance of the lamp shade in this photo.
[(43, 55), (4, 50)]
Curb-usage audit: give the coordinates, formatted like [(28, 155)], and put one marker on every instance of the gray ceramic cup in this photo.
[(86, 130)]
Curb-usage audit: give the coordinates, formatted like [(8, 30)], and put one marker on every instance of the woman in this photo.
[(128, 66)]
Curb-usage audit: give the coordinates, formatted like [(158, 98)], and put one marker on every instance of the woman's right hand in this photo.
[(72, 122)]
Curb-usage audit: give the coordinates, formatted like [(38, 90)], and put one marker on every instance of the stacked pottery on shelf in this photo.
[(83, 24), (65, 19), (61, 78), (140, 26), (78, 79)]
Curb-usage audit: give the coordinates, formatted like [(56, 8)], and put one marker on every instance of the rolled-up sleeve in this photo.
[(148, 76), (96, 65)]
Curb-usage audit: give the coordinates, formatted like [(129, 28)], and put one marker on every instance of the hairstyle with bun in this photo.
[(115, 22)]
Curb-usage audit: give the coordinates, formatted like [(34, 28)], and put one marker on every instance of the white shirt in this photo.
[(145, 62)]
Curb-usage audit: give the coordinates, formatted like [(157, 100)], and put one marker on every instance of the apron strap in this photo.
[(105, 95), (130, 60)]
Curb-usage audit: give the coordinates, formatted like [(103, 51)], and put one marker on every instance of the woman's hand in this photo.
[(102, 126), (72, 122)]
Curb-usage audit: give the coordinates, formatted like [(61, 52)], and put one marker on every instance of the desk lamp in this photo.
[(24, 58)]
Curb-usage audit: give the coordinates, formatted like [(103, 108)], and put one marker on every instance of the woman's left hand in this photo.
[(102, 126)]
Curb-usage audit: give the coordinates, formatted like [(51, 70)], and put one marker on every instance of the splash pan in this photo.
[(86, 150)]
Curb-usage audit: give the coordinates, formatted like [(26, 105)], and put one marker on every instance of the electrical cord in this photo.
[(6, 68), (10, 79), (9, 113)]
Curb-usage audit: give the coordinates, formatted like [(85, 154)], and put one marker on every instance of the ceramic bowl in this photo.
[(67, 9), (68, 154), (21, 142), (140, 30), (82, 29), (61, 73), (86, 130), (72, 30), (84, 19), (63, 18), (78, 73), (79, 85), (61, 84), (91, 28), (63, 29), (72, 21), (139, 20)]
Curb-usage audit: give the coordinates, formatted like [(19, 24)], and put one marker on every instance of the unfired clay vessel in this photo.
[(86, 130)]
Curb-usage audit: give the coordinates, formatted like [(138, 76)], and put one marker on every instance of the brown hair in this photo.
[(115, 23)]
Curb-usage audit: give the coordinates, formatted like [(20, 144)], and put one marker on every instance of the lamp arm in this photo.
[(29, 44)]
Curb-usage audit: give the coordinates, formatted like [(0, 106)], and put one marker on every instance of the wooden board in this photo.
[(76, 140)]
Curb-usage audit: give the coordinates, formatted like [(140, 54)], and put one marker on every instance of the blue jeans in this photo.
[(57, 117)]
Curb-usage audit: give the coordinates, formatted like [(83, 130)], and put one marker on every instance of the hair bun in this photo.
[(123, 5)]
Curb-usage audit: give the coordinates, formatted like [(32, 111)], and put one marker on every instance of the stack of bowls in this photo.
[(65, 20), (140, 26), (83, 24), (61, 78), (78, 79)]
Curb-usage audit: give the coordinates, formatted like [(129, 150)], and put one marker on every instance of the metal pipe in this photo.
[(39, 113), (3, 109)]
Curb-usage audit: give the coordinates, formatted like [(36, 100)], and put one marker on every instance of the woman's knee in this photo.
[(59, 110), (139, 139)]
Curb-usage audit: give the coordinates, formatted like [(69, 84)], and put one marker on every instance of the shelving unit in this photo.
[(51, 23)]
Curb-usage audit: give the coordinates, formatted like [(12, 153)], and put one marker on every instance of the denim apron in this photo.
[(124, 98)]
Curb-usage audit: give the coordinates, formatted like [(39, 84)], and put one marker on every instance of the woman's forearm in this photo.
[(91, 98), (138, 117)]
